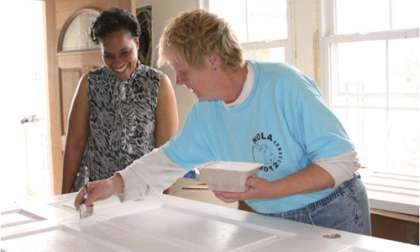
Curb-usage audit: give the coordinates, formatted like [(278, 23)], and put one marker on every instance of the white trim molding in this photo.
[(392, 192)]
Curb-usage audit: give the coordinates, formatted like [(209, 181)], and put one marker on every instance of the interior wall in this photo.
[(304, 37), (162, 12)]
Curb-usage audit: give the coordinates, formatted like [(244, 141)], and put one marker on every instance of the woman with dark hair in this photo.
[(121, 110)]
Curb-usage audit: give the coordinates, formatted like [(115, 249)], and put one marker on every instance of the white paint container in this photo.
[(227, 176)]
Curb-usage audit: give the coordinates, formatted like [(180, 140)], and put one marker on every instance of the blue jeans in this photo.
[(346, 209)]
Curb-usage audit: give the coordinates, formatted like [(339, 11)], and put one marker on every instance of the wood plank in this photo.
[(395, 215), (53, 98)]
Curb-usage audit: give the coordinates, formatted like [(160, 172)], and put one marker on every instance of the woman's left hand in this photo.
[(257, 188)]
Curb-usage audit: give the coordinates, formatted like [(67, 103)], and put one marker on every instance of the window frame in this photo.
[(329, 37), (405, 198), (68, 24)]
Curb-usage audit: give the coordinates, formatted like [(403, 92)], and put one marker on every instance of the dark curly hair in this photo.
[(112, 20)]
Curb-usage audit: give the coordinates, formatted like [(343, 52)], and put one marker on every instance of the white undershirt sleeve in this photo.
[(149, 175), (341, 167), (154, 172)]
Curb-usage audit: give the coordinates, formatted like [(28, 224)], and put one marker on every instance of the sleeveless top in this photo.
[(121, 121)]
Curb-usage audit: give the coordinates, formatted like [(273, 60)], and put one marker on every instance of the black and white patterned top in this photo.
[(121, 123)]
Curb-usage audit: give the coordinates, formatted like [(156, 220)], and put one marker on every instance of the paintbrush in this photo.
[(84, 210)]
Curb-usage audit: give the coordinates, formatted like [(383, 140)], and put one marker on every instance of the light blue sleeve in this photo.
[(189, 147), (311, 122)]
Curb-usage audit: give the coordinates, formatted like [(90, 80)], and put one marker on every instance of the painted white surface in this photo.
[(169, 223), (24, 147)]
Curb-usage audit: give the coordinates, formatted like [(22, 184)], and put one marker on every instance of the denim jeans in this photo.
[(346, 209)]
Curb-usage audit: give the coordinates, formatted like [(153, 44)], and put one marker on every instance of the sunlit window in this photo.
[(260, 25), (372, 79)]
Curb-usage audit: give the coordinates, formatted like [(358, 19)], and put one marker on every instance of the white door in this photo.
[(168, 223), (24, 145)]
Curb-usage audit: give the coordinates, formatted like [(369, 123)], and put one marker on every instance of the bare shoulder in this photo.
[(164, 80), (165, 86), (82, 88), (166, 111)]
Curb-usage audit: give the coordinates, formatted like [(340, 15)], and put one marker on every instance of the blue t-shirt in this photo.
[(283, 123)]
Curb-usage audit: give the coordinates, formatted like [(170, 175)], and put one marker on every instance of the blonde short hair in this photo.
[(193, 34)]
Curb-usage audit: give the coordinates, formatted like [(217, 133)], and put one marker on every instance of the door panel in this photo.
[(69, 79)]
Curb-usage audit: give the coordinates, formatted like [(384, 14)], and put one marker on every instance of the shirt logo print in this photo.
[(267, 151)]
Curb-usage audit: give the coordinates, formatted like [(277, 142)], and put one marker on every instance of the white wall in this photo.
[(162, 12)]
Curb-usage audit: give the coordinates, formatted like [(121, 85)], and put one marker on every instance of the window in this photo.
[(371, 79), (76, 36), (260, 25)]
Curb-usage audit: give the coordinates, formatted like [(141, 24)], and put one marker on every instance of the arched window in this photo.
[(75, 35)]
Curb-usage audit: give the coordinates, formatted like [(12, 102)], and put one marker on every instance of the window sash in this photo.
[(264, 44), (396, 192), (328, 43)]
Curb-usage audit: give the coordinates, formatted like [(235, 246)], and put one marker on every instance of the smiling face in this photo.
[(119, 53)]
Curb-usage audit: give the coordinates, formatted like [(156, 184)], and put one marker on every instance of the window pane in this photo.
[(404, 73), (234, 12), (367, 129), (267, 20), (403, 140), (405, 14), (384, 140), (254, 20), (358, 16), (76, 36), (266, 55), (360, 70)]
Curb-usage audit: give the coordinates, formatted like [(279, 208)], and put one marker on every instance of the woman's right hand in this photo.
[(99, 190)]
